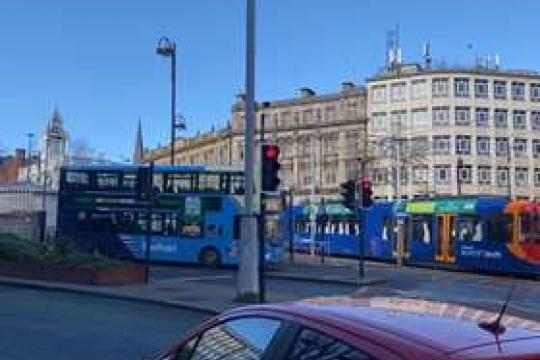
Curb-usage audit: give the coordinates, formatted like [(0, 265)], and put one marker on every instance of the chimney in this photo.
[(306, 92), (347, 86)]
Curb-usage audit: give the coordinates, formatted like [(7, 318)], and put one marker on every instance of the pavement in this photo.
[(211, 291)]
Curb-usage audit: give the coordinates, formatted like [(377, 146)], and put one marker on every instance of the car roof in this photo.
[(443, 327)]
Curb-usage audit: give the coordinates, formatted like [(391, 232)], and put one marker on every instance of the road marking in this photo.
[(206, 278)]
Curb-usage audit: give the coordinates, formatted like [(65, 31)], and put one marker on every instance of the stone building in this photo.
[(320, 138), (460, 130)]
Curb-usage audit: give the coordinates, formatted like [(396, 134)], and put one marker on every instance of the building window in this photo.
[(420, 174), (484, 175), (380, 176), (535, 92), (481, 89), (398, 92), (536, 148), (441, 144), (482, 117), (463, 144), (482, 145), (399, 122), (520, 147), (462, 115), (503, 173), (499, 89), (522, 176), (441, 115), (518, 91), (537, 177), (465, 174), (535, 120), (379, 122), (420, 119), (520, 119), (461, 87), (439, 87), (501, 118), (418, 89), (378, 93), (443, 175), (501, 146)]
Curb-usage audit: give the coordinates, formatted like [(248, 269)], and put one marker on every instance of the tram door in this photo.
[(446, 239)]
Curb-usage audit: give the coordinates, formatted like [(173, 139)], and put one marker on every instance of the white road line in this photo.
[(205, 278)]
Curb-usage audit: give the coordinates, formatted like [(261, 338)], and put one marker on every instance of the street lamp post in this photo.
[(30, 136), (167, 48)]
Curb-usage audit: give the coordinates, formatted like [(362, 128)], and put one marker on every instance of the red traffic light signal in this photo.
[(270, 167), (367, 193)]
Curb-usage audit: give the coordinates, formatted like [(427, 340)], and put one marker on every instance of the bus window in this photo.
[(209, 182), (77, 179), (421, 229), (500, 228), (157, 223), (182, 182), (107, 180), (237, 184), (129, 181), (159, 185), (470, 229)]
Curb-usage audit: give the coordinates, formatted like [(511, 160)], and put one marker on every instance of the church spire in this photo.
[(138, 152)]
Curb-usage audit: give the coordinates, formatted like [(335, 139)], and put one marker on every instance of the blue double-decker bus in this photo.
[(188, 214)]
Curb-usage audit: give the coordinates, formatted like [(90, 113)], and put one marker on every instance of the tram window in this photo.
[(500, 228), (470, 229), (171, 224), (530, 227), (421, 229), (141, 222), (107, 180)]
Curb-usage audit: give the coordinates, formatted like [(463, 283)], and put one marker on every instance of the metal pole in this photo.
[(291, 227), (29, 155), (262, 217), (323, 227), (173, 101), (148, 238), (248, 270)]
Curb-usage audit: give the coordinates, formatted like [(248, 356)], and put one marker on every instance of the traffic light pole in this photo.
[(262, 215), (361, 222)]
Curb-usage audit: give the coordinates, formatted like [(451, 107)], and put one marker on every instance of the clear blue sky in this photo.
[(96, 60)]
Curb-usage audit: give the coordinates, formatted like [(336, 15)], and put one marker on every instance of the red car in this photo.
[(347, 328)]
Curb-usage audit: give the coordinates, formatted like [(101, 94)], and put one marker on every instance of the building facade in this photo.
[(320, 139), (454, 131)]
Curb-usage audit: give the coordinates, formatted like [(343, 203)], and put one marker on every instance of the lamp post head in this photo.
[(165, 47)]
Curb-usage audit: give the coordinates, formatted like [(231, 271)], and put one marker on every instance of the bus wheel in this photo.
[(209, 257)]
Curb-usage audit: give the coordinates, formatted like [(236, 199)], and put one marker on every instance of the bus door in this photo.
[(446, 239)]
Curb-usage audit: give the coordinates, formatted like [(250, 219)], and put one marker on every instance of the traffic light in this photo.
[(270, 167), (348, 193), (367, 193)]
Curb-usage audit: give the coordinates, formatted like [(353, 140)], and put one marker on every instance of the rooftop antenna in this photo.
[(427, 55), (497, 61), (389, 49)]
